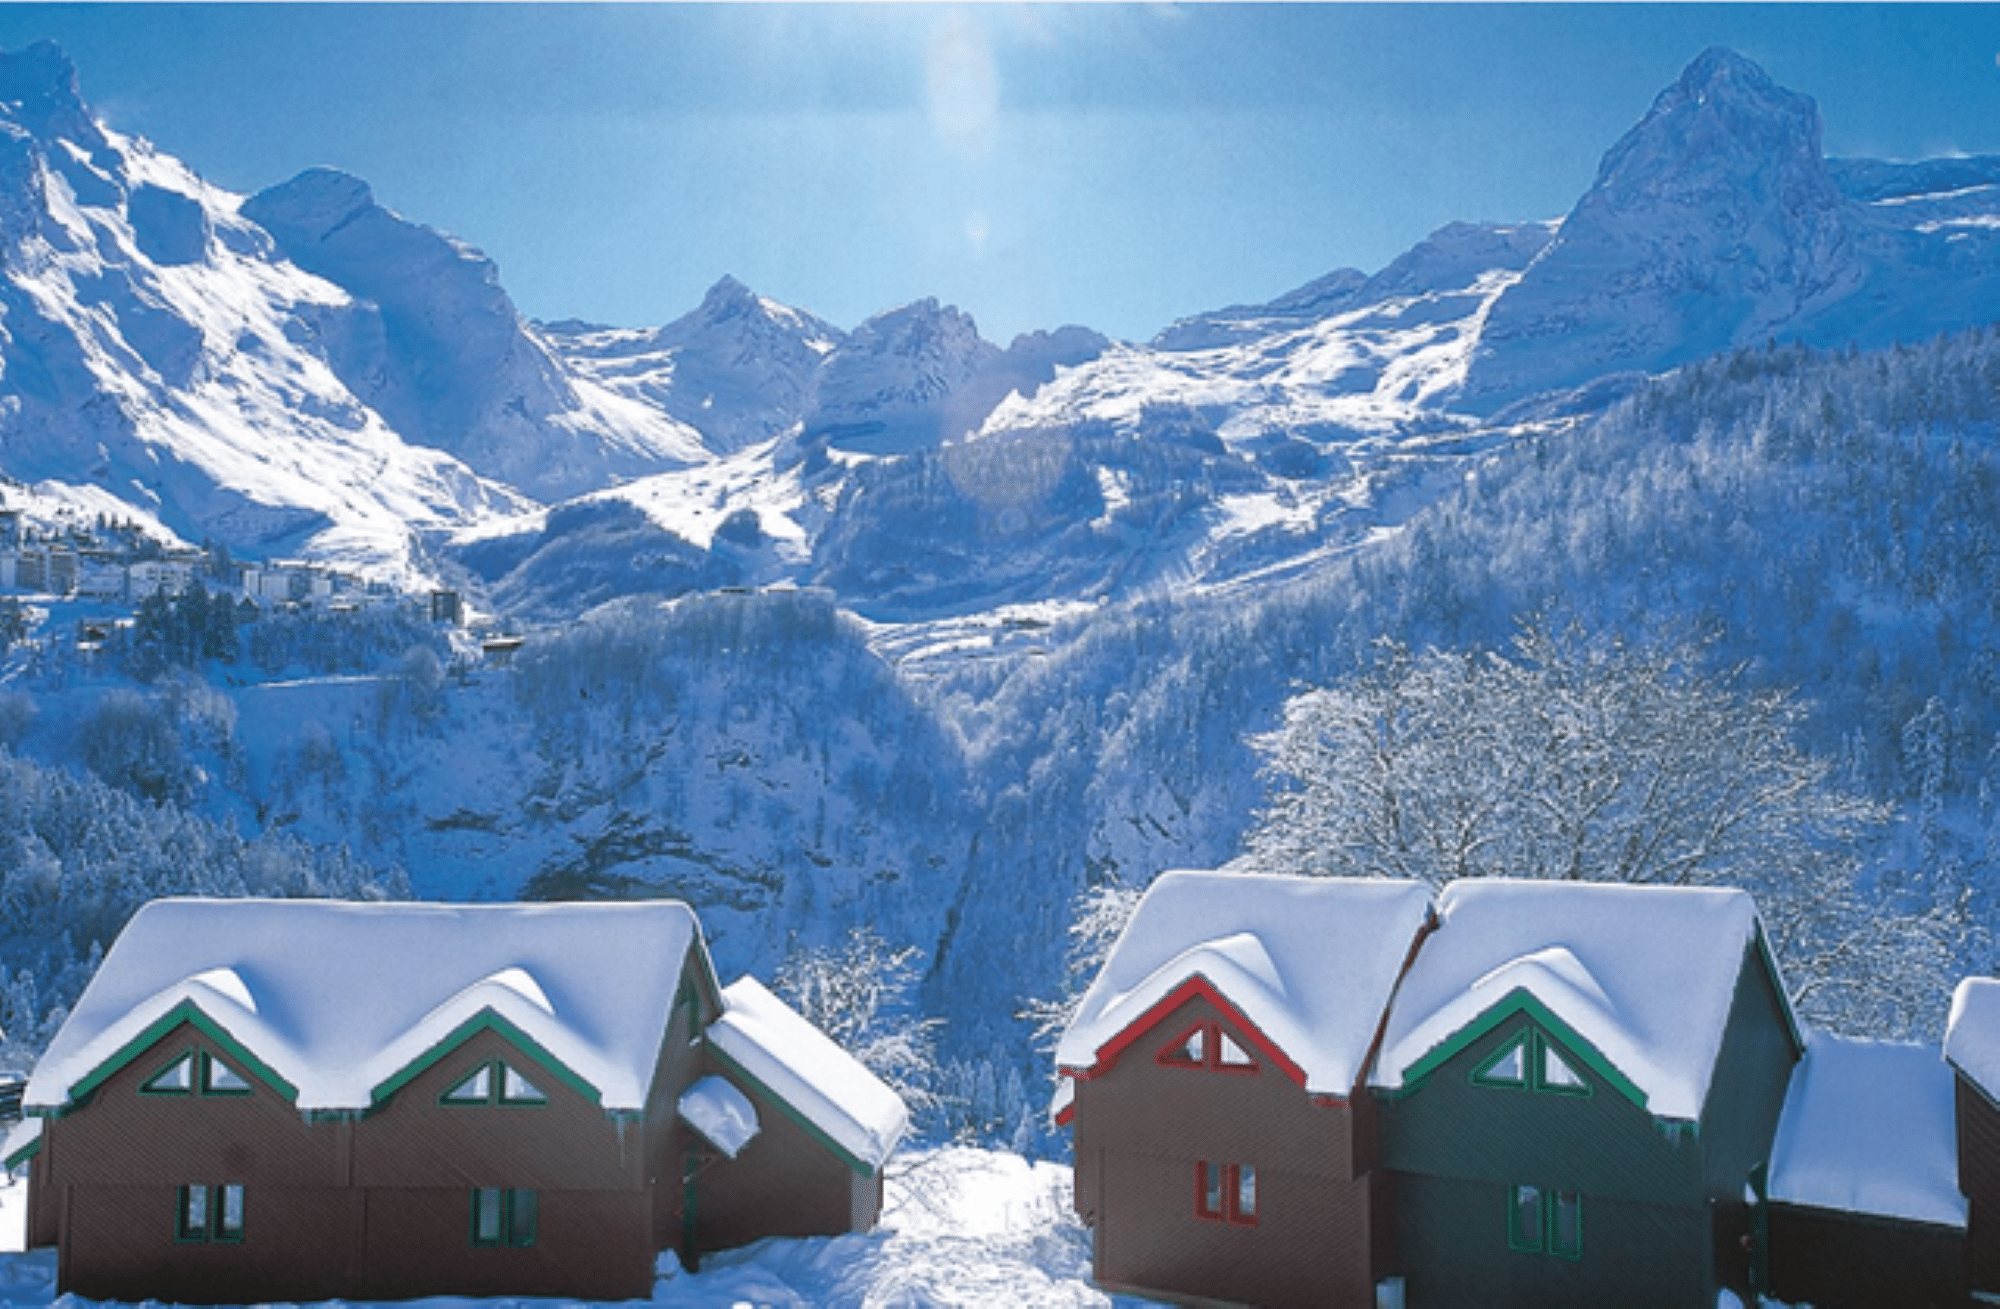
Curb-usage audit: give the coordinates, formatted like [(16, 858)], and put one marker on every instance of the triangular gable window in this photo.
[(177, 1078), (516, 1089), (218, 1078), (1208, 1045), (1531, 1062), (495, 1083), (476, 1089), (1508, 1068), (1557, 1075)]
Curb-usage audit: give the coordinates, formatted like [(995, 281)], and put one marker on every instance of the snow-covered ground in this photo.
[(959, 1227)]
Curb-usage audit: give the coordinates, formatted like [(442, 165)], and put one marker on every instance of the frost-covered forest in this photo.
[(1803, 529)]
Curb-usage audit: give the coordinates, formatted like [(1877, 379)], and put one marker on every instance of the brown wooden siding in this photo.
[(783, 1183), (1851, 1261), (567, 1144), (1140, 1129), (667, 1139), (1309, 1246), (1979, 1182), (590, 1244), (375, 1205)]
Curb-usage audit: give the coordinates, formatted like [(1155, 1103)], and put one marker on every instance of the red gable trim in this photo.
[(1109, 1053), (1067, 1116)]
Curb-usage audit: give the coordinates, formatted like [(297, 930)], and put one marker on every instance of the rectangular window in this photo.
[(1225, 1192), (503, 1217), (209, 1213), (1544, 1220), (1566, 1225), (1208, 1190), (193, 1221), (1524, 1219)]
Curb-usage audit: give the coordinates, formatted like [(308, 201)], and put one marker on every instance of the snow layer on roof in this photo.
[(722, 1114), (1972, 1033), (1646, 974), (1870, 1127), (1310, 961), (336, 998), (800, 1065)]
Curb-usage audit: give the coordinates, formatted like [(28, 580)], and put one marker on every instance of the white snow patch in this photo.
[(1972, 1033), (721, 1113), (803, 1067), (1837, 1149), (1594, 955), (336, 998), (1311, 962)]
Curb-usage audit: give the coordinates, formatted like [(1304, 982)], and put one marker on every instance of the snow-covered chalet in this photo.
[(307, 1100), (1312, 1091)]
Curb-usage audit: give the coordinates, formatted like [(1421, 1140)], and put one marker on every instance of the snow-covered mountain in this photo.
[(429, 340), (1717, 222), (739, 368)]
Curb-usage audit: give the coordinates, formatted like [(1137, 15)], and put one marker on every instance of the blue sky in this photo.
[(1114, 165)]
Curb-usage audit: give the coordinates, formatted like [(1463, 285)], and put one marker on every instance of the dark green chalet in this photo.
[(1578, 1087)]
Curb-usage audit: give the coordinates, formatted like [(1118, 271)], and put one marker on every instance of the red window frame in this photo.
[(1212, 1034), (1221, 1191)]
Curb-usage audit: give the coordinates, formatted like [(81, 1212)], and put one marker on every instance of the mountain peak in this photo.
[(1719, 70), (38, 90)]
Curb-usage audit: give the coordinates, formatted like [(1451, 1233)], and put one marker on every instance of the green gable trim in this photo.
[(1521, 1001), (187, 1011), (24, 1154), (810, 1128), (483, 1021)]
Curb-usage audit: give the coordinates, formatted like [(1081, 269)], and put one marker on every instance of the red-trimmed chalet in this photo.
[(1222, 1152)]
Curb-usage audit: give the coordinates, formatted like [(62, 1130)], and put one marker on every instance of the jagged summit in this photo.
[(1715, 221), (39, 91)]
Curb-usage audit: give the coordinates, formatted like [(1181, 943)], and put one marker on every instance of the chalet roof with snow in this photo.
[(336, 1004), (1309, 963), (1644, 976), (1972, 1034), (763, 1037), (1837, 1149)]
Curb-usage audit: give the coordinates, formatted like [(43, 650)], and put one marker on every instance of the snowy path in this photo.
[(960, 1227)]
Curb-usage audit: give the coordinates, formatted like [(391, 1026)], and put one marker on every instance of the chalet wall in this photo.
[(123, 1137), (1453, 1252), (1302, 1250), (1140, 1104), (119, 1244), (1979, 1182), (1858, 1262), (588, 1244), (1752, 1071), (667, 1139), (1601, 1144), (567, 1144), (783, 1183), (1141, 1128)]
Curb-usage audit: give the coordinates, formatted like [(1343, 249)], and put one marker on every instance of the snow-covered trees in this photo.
[(860, 993), (1596, 760)]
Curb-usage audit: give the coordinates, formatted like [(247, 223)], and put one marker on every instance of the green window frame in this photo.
[(504, 1217), (209, 1214), (1532, 1062), (1545, 1220), (196, 1072), (494, 1082)]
